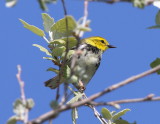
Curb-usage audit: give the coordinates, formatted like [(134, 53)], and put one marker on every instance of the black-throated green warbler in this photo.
[(88, 57)]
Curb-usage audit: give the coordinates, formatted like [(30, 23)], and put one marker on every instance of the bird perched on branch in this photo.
[(83, 63)]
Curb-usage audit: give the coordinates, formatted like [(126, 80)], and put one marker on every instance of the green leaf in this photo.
[(117, 106), (11, 3), (53, 69), (113, 112), (158, 18), (119, 114), (72, 41), (47, 22), (54, 104), (59, 29), (12, 120), (30, 103), (42, 5), (106, 113), (58, 42), (121, 122), (75, 98), (50, 1), (43, 49), (154, 27), (74, 115), (49, 58), (69, 54), (33, 28), (58, 51), (18, 107), (66, 71), (156, 63), (139, 3), (83, 28)]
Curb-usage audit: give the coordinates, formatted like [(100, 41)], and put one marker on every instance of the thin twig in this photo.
[(148, 2), (96, 113), (80, 33), (21, 83), (148, 98), (67, 49), (57, 94), (46, 39), (85, 17), (65, 14), (65, 95), (23, 97), (52, 114), (50, 121)]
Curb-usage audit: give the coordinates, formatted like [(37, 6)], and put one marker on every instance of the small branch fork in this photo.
[(52, 114), (96, 113), (23, 97)]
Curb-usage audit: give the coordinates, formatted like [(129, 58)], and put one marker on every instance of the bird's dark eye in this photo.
[(102, 41)]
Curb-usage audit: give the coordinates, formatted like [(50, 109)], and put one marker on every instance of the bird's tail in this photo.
[(53, 82)]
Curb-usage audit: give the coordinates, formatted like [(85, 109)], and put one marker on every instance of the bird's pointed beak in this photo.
[(111, 46)]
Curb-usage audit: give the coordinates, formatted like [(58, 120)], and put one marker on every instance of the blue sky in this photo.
[(121, 24)]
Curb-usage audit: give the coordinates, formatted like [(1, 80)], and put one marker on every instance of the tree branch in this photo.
[(96, 113), (85, 17), (148, 98), (147, 2), (23, 97), (52, 114)]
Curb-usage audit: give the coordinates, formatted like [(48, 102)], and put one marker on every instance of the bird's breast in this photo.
[(86, 64)]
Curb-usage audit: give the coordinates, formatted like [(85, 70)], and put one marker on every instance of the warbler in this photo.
[(87, 58)]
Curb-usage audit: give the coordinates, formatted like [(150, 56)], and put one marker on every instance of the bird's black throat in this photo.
[(92, 48)]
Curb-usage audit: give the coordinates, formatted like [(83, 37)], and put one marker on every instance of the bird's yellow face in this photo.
[(98, 42)]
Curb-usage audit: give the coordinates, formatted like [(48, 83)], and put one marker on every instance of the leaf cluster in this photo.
[(42, 3), (113, 117), (19, 108), (60, 38)]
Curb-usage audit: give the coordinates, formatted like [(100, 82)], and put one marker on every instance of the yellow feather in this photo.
[(98, 42)]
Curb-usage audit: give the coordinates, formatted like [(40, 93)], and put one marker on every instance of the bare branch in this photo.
[(21, 84), (96, 113), (85, 17), (23, 97), (147, 2), (52, 114), (57, 94), (148, 98)]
